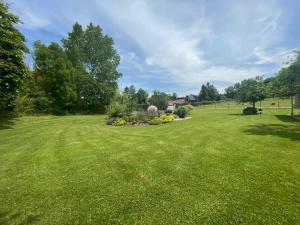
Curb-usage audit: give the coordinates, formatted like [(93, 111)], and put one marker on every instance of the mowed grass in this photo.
[(267, 103), (218, 168)]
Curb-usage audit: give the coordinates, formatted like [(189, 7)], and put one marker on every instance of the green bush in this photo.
[(119, 122), (155, 121), (116, 109), (250, 111), (167, 118), (181, 111)]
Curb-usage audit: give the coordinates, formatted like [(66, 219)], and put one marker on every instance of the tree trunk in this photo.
[(253, 104)]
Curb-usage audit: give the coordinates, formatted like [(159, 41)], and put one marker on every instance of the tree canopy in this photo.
[(208, 92), (12, 66), (159, 99), (142, 96), (251, 90), (96, 60)]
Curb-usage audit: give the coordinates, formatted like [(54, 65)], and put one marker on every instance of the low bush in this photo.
[(119, 122), (250, 111), (181, 111), (152, 111), (167, 118), (161, 119), (155, 121), (116, 109)]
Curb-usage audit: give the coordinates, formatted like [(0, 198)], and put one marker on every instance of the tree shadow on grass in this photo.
[(288, 131), (7, 123), (287, 119)]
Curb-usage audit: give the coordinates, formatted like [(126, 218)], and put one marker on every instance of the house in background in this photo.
[(192, 98), (172, 103)]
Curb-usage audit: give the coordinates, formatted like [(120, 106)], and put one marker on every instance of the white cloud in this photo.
[(178, 49), (281, 57), (182, 42)]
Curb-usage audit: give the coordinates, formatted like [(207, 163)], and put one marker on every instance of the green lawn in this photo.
[(267, 103), (217, 168)]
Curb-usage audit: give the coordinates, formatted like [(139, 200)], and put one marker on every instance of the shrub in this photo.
[(116, 109), (155, 121), (126, 118), (250, 111), (152, 111), (167, 118), (119, 122), (181, 111)]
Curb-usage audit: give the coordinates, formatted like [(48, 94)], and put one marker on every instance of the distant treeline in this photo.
[(80, 75)]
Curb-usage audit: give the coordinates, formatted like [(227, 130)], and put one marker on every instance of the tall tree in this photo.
[(142, 96), (54, 75), (159, 99), (208, 92), (251, 90), (287, 82), (12, 49), (289, 79), (126, 90), (132, 94), (92, 53)]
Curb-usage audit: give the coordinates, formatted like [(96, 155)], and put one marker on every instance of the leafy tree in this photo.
[(126, 90), (288, 79), (230, 92), (208, 92), (159, 99), (12, 66), (93, 55), (132, 94), (270, 87), (287, 82), (251, 90), (142, 96), (54, 76)]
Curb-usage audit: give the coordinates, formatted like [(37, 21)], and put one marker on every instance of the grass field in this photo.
[(267, 103), (218, 168)]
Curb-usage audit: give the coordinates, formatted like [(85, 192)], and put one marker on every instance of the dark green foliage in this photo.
[(287, 82), (251, 90), (250, 111), (232, 91), (208, 92), (116, 109), (159, 99), (12, 66), (181, 111), (142, 96), (54, 77), (96, 60), (81, 77)]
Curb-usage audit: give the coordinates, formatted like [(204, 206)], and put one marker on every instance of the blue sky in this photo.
[(176, 45)]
